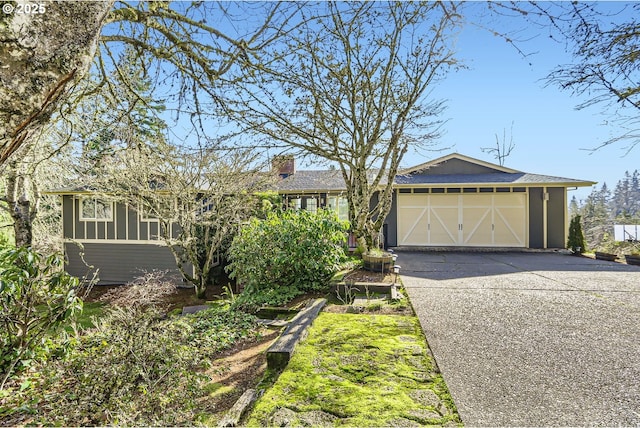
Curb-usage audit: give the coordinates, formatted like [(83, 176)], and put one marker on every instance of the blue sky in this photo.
[(499, 88)]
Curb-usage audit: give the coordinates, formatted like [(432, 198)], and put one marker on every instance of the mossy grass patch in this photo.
[(358, 370)]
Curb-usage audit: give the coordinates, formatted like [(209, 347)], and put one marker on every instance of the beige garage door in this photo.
[(462, 220)]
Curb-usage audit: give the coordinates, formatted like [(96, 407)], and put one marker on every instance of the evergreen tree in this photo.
[(574, 207), (576, 241), (596, 213)]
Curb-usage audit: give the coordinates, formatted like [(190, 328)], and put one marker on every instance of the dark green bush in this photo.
[(576, 242), (36, 298), (286, 254)]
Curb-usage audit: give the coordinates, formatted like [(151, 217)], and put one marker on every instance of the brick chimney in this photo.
[(284, 165)]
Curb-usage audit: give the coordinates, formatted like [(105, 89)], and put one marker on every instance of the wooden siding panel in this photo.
[(120, 263), (133, 225), (67, 217), (153, 228), (144, 231), (536, 213), (121, 222), (392, 222), (91, 229), (556, 218), (76, 216), (457, 166)]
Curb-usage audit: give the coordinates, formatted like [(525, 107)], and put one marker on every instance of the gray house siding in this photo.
[(457, 166), (120, 248), (536, 214), (556, 221), (392, 223), (119, 263)]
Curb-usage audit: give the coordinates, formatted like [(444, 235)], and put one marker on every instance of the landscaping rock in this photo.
[(426, 397), (283, 417), (317, 418), (403, 422), (193, 309), (423, 415), (422, 376)]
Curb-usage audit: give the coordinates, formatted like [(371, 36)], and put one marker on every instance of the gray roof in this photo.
[(331, 180), (317, 181), (312, 180), (522, 178)]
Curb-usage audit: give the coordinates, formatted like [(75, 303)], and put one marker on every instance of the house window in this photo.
[(312, 205), (96, 209), (340, 205), (295, 203)]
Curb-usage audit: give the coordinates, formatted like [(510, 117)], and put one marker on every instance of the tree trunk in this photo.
[(43, 53), (21, 209)]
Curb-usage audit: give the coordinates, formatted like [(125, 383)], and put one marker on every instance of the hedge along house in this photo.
[(118, 240), (454, 201)]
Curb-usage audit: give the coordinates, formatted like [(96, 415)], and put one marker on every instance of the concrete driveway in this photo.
[(531, 339)]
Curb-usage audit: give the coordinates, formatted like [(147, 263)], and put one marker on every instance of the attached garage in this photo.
[(458, 201), (485, 220)]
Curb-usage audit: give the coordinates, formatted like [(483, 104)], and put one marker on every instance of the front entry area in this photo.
[(474, 220)]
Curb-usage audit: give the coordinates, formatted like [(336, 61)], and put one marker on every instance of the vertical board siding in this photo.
[(67, 217), (132, 217), (111, 230), (80, 225), (144, 231), (121, 222), (536, 225), (556, 218), (153, 230), (392, 222), (91, 229)]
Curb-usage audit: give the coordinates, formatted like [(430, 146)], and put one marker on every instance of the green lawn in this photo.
[(358, 370)]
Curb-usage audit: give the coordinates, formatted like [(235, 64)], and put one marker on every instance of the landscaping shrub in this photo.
[(136, 367), (576, 242), (36, 298), (285, 255), (150, 289)]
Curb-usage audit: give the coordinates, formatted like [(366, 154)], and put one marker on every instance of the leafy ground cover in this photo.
[(140, 368), (358, 370)]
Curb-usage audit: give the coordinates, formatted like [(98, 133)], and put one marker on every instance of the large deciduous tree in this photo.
[(142, 52), (603, 39), (606, 67), (352, 86), (186, 47), (199, 196), (42, 54)]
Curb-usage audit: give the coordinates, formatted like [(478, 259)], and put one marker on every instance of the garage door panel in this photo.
[(477, 226), (443, 226), (412, 220), (510, 226)]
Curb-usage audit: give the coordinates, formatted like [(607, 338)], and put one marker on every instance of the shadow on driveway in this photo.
[(531, 339)]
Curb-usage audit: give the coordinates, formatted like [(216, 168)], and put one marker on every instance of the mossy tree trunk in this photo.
[(43, 54)]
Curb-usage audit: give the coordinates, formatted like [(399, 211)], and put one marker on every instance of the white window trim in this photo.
[(95, 218)]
